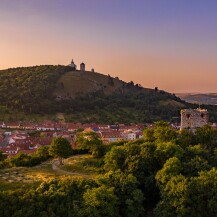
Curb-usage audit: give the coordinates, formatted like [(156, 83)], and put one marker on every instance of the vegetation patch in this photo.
[(85, 164)]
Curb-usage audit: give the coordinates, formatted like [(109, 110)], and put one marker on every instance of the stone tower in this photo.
[(194, 118), (82, 67)]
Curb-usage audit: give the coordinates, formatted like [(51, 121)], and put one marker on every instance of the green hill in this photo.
[(83, 96)]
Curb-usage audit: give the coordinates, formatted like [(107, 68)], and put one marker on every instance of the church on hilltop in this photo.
[(74, 66)]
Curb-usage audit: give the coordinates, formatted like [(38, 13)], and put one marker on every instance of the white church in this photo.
[(82, 66)]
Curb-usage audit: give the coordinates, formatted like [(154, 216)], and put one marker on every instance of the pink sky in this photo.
[(170, 46)]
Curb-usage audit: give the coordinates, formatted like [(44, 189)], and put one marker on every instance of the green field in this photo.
[(22, 177)]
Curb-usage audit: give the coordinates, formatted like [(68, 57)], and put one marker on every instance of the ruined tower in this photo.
[(194, 118)]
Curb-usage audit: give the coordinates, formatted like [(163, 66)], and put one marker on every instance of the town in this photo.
[(27, 137)]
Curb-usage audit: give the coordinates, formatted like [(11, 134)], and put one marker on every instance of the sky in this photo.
[(171, 44)]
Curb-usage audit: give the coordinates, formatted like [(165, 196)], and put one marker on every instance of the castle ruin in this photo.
[(194, 118)]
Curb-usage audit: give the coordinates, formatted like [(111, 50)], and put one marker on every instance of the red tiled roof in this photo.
[(111, 134), (45, 141)]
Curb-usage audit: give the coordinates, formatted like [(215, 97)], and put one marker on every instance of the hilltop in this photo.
[(83, 96)]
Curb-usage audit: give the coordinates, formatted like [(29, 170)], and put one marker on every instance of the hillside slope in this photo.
[(76, 83), (84, 96)]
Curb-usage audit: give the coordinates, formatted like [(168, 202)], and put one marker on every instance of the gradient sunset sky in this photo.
[(171, 44)]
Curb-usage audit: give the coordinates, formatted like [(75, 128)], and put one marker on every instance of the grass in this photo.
[(26, 177), (22, 177), (85, 82), (84, 164)]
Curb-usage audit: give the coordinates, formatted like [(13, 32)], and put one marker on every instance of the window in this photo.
[(188, 116)]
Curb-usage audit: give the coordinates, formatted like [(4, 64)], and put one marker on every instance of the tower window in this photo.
[(188, 116), (202, 115)]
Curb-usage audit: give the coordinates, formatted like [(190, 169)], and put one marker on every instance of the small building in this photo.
[(194, 118), (72, 64), (112, 136), (82, 67), (129, 135)]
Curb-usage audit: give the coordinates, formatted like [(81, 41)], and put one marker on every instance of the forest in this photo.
[(165, 174)]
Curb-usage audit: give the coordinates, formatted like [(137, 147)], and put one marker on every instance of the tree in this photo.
[(115, 159), (91, 142), (164, 133), (189, 197), (148, 134), (207, 137), (185, 138), (195, 165), (201, 196), (171, 168), (173, 196), (166, 150), (60, 148), (21, 159), (2, 156), (100, 202), (43, 152), (130, 197)]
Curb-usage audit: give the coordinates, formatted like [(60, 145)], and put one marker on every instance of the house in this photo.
[(45, 141), (12, 125), (9, 150), (8, 133), (28, 126), (111, 136), (129, 135), (72, 127), (103, 127)]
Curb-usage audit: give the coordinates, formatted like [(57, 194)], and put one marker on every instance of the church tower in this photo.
[(74, 67)]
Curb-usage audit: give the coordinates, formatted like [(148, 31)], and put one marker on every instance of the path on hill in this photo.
[(56, 164)]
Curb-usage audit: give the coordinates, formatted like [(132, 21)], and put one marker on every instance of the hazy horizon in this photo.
[(171, 45)]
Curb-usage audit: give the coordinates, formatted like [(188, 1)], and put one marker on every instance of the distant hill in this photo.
[(199, 98), (83, 97)]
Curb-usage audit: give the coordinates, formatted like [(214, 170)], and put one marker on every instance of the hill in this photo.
[(201, 98), (83, 96)]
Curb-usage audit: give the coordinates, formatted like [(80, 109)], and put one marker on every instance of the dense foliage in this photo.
[(25, 160), (60, 148), (30, 89), (168, 173)]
